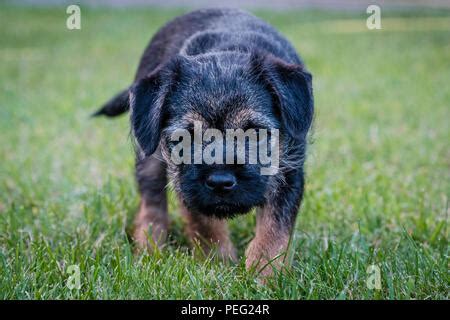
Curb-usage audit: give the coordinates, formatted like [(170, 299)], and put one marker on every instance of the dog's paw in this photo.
[(223, 250), (150, 236), (265, 258)]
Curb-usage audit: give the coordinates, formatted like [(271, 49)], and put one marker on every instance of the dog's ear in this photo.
[(291, 87), (147, 99)]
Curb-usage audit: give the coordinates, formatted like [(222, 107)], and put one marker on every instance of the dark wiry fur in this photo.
[(231, 70)]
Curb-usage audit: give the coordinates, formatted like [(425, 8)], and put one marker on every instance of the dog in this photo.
[(226, 69)]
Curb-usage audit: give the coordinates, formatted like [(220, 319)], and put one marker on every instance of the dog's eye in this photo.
[(254, 126), (190, 128)]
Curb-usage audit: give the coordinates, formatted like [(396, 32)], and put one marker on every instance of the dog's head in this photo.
[(221, 91)]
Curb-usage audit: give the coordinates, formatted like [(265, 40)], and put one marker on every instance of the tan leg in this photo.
[(209, 232), (151, 222), (268, 250), (274, 225)]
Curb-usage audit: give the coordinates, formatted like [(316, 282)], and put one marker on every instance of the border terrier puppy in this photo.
[(226, 69)]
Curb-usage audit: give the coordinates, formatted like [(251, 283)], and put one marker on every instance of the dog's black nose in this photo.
[(221, 182)]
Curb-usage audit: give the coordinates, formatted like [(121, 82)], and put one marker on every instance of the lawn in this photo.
[(378, 168)]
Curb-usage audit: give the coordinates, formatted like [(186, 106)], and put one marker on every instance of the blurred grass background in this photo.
[(377, 173)]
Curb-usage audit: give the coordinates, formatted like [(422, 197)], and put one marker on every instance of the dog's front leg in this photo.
[(268, 248), (274, 225), (151, 221)]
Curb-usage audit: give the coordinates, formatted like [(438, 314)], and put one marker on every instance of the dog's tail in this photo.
[(114, 107)]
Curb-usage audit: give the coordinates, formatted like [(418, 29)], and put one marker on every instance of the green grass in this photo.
[(378, 171)]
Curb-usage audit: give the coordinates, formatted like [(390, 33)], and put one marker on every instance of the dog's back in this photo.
[(202, 32), (208, 31)]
